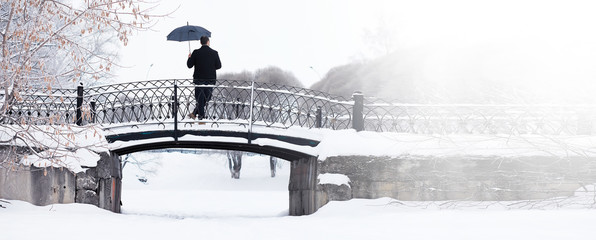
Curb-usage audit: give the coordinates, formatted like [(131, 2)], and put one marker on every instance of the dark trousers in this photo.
[(202, 96)]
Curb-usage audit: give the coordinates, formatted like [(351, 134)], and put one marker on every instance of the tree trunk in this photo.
[(235, 163), (273, 165)]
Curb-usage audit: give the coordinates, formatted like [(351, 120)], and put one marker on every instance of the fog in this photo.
[(537, 50), (526, 50)]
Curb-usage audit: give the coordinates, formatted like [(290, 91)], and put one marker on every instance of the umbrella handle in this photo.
[(189, 47)]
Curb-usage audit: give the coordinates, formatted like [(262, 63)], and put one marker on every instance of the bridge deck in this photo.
[(284, 143)]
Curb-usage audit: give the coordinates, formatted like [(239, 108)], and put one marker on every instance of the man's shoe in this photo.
[(192, 115)]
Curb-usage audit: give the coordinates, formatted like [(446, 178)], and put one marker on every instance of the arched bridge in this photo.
[(271, 119), (247, 116), (167, 103), (142, 111), (251, 116)]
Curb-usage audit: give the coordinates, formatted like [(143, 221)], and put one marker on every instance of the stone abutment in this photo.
[(99, 186), (404, 178), (470, 178)]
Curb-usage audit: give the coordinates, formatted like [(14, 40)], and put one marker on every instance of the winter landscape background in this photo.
[(206, 203), (462, 51)]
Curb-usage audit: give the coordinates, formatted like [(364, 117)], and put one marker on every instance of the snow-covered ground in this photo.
[(193, 197)]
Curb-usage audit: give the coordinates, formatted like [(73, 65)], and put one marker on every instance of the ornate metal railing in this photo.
[(169, 101), (384, 116), (272, 105), (41, 106)]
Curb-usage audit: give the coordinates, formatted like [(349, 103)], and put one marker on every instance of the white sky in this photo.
[(250, 35), (519, 40)]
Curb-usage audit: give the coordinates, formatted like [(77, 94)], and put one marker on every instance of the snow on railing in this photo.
[(282, 106)]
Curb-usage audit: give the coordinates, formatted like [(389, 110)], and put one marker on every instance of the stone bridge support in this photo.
[(102, 185), (99, 186), (470, 178), (304, 197), (38, 186)]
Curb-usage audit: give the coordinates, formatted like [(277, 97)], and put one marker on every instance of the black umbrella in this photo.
[(188, 33)]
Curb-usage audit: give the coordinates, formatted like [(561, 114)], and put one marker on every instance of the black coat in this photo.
[(206, 61)]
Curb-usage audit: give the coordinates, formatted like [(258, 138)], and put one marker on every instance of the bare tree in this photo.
[(48, 42), (269, 74), (241, 76), (273, 75), (276, 75), (147, 167), (383, 39), (235, 163), (273, 165), (342, 80)]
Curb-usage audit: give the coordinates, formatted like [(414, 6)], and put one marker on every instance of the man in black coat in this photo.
[(205, 61)]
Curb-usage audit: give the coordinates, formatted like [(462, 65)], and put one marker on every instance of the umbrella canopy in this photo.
[(188, 33)]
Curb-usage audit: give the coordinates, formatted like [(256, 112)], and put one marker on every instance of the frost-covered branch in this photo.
[(48, 43)]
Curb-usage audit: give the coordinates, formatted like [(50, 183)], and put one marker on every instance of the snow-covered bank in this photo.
[(68, 146), (192, 196), (354, 219)]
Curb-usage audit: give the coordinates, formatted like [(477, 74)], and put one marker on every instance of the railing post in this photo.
[(79, 115), (93, 110), (357, 112), (252, 101), (237, 108), (175, 111), (319, 117)]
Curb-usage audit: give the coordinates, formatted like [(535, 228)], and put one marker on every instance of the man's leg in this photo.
[(201, 100), (195, 111), (208, 94)]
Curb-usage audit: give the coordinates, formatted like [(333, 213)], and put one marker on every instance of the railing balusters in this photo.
[(271, 105)]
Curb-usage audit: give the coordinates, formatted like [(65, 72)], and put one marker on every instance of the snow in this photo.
[(349, 142), (334, 178), (366, 143), (332, 142), (88, 142), (75, 161), (191, 196), (206, 184)]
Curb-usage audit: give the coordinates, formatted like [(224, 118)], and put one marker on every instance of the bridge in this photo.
[(159, 109), (251, 104), (271, 119)]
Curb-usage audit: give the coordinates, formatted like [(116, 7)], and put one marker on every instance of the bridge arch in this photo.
[(286, 154), (303, 198), (291, 148)]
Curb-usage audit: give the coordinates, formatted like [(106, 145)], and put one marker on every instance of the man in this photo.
[(205, 61)]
